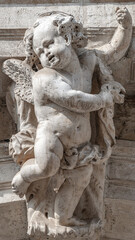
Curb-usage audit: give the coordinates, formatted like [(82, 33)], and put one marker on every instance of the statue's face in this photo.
[(52, 49)]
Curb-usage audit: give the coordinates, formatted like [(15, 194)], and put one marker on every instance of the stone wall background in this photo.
[(98, 18)]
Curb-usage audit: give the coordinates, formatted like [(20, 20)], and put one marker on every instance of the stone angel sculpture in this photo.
[(62, 157)]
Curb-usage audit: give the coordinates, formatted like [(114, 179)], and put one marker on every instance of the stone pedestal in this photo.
[(13, 219)]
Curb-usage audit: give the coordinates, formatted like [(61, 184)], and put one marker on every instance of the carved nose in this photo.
[(48, 53)]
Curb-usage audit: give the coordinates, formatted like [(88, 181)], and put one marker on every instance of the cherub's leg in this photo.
[(19, 185), (48, 153), (69, 195)]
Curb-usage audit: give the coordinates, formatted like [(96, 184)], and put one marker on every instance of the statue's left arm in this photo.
[(117, 47)]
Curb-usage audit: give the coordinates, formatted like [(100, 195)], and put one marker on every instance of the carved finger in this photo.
[(121, 15), (120, 18), (31, 229), (121, 11), (125, 9), (117, 9)]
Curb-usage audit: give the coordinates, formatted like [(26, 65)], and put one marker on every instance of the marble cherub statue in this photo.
[(59, 159)]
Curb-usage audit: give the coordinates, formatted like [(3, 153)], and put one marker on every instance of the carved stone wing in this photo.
[(21, 73)]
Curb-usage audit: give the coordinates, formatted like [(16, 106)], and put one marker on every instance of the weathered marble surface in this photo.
[(61, 1), (121, 192), (23, 16), (12, 210), (62, 147), (125, 119), (5, 120)]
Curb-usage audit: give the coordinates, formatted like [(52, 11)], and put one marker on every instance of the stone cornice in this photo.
[(11, 34), (6, 159), (17, 34), (18, 2), (123, 158), (5, 185)]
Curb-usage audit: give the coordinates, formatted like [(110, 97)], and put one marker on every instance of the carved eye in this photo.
[(55, 23), (46, 44)]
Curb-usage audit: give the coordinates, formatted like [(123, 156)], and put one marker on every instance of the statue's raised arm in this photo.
[(117, 47)]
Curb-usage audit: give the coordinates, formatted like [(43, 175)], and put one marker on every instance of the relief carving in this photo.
[(65, 123)]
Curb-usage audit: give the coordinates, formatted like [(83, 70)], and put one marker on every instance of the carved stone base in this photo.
[(90, 231), (67, 238)]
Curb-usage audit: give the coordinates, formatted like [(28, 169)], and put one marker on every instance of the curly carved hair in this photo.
[(67, 27)]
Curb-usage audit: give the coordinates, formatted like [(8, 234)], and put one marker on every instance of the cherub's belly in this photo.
[(72, 129), (76, 132)]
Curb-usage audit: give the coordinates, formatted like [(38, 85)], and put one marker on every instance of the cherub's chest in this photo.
[(88, 62), (83, 80), (87, 79)]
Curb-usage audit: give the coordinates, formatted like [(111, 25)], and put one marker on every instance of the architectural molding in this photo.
[(133, 72), (6, 159), (5, 185), (11, 34), (18, 34), (4, 2)]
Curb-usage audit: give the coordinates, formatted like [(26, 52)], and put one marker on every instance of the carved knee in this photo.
[(51, 167)]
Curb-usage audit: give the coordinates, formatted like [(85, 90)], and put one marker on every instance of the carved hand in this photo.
[(123, 17), (113, 92), (106, 96)]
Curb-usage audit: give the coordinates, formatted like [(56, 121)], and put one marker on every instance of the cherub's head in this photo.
[(52, 37)]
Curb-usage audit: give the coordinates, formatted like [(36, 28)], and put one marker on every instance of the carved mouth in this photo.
[(53, 60)]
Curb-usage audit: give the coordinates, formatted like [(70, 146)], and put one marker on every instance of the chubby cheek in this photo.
[(43, 60), (64, 53)]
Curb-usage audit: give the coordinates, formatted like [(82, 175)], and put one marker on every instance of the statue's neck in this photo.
[(74, 72), (74, 66)]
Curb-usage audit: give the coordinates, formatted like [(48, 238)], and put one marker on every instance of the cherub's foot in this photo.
[(19, 186), (37, 224), (96, 223)]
